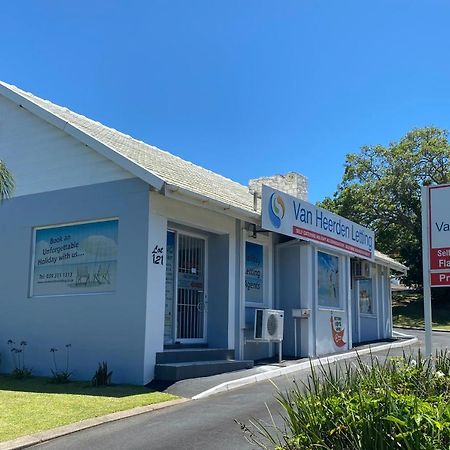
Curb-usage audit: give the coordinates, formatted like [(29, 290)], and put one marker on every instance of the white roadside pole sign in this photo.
[(435, 248)]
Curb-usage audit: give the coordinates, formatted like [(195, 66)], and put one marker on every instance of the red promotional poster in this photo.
[(337, 330)]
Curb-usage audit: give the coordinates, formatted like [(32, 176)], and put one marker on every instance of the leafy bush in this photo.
[(402, 403), (102, 377)]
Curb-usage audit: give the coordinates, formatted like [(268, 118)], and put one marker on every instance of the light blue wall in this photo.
[(288, 279), (101, 327), (369, 328)]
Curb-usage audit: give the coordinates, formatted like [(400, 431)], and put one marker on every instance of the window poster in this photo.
[(254, 272), (365, 297), (328, 280), (75, 259)]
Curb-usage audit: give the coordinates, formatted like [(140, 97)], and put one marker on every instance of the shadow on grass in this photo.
[(407, 310), (45, 385)]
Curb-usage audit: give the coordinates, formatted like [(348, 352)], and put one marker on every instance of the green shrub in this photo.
[(402, 403), (102, 377)]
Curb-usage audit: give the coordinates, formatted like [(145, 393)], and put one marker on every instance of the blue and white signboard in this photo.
[(297, 218), (75, 259)]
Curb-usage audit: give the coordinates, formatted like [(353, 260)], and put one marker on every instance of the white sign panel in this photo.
[(293, 217), (75, 259), (439, 238)]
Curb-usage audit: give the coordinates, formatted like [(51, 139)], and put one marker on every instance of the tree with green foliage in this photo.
[(6, 182), (381, 189)]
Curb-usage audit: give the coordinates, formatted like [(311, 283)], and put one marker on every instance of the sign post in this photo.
[(435, 248)]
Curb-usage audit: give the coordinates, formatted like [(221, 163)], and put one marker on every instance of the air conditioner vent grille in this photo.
[(269, 324)]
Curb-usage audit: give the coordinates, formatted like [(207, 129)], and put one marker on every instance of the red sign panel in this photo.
[(440, 278), (319, 237), (439, 258)]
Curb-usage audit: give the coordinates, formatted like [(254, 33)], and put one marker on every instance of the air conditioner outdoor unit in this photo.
[(269, 324), (361, 269)]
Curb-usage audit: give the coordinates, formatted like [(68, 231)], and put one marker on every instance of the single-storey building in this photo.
[(139, 258)]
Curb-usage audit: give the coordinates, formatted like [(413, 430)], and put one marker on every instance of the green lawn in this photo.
[(407, 311), (35, 404)]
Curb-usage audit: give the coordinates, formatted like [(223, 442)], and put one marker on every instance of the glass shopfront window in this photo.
[(254, 273), (366, 297), (328, 280)]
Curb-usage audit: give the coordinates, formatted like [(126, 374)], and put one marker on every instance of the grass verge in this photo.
[(407, 311), (35, 404)]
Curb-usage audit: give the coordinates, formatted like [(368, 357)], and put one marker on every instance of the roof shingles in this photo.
[(170, 168)]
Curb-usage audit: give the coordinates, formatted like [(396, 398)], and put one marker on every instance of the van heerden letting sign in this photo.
[(288, 215), (439, 240)]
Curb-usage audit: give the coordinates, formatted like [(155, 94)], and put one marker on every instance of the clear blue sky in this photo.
[(245, 88)]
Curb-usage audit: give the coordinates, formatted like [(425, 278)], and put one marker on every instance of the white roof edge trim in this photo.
[(84, 138), (392, 264), (233, 211)]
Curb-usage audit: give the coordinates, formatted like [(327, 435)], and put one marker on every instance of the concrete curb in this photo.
[(440, 330), (43, 436), (234, 384)]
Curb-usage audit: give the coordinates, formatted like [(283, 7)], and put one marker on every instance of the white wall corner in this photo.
[(156, 287)]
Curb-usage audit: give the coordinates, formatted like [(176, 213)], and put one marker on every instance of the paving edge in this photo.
[(235, 384), (405, 327), (43, 436)]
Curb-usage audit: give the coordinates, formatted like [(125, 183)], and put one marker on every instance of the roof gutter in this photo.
[(106, 151)]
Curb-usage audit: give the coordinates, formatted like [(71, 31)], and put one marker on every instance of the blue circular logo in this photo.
[(276, 210)]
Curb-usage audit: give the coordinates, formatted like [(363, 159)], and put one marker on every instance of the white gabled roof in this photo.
[(158, 168), (153, 165)]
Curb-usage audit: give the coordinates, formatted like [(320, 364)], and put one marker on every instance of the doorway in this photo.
[(186, 297)]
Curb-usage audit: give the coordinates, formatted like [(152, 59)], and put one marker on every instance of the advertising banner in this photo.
[(293, 217), (75, 259), (332, 334)]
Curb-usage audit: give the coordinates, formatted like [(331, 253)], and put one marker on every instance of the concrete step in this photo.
[(184, 370), (183, 346), (193, 354)]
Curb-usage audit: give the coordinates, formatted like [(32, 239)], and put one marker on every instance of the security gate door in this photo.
[(191, 297)]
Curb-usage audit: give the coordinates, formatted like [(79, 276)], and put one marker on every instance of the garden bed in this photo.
[(402, 403)]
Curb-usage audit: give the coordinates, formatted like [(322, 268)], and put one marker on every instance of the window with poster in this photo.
[(366, 305), (75, 258), (255, 267), (328, 280)]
